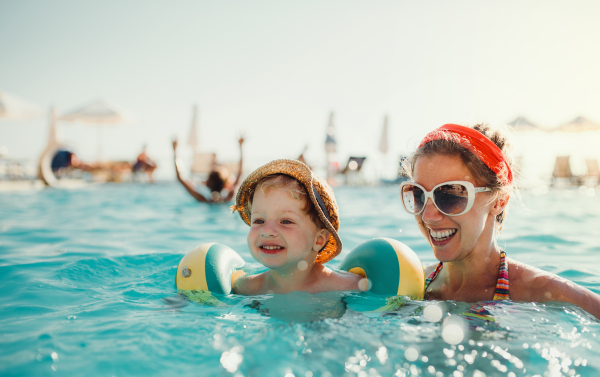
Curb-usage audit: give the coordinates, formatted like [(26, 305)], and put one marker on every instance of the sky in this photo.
[(273, 71)]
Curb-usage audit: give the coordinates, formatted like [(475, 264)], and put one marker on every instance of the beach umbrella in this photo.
[(98, 113), (13, 107), (383, 142), (579, 124), (523, 124), (52, 138), (330, 143), (193, 138)]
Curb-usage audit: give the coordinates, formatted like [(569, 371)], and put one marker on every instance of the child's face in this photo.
[(281, 234)]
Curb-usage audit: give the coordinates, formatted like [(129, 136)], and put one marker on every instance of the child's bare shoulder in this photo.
[(249, 284), (340, 281)]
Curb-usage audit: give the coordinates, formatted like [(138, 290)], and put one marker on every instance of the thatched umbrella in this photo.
[(523, 124), (579, 124)]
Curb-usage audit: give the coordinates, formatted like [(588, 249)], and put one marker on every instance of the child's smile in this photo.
[(269, 248)]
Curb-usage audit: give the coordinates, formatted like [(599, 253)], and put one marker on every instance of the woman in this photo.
[(221, 189), (462, 182)]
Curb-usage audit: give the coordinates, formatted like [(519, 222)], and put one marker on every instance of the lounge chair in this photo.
[(593, 172), (352, 170), (562, 172)]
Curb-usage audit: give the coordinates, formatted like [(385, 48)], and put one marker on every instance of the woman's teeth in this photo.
[(441, 236)]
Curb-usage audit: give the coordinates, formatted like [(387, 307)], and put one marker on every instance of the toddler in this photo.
[(293, 220)]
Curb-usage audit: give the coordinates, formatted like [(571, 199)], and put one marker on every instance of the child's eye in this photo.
[(258, 221), (287, 221)]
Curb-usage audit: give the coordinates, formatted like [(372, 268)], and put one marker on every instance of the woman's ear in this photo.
[(500, 205), (321, 239)]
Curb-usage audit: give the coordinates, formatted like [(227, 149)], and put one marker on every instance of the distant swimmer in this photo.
[(218, 182), (144, 164), (64, 161)]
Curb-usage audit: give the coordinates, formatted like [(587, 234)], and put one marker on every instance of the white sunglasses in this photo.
[(451, 198)]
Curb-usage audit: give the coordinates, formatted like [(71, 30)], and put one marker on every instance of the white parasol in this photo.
[(383, 142), (15, 108), (193, 138), (330, 143), (98, 113)]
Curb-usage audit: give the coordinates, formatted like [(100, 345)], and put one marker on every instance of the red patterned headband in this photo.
[(476, 142)]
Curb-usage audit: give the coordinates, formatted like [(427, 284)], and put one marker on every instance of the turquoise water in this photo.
[(87, 282)]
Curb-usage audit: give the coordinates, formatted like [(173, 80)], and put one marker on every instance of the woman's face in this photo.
[(454, 238)]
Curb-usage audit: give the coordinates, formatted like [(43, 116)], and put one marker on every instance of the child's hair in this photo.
[(295, 189), (482, 174)]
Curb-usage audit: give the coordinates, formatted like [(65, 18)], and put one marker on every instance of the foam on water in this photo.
[(87, 282)]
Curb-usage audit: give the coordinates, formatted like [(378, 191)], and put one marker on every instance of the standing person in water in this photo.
[(461, 184), (222, 190), (143, 163)]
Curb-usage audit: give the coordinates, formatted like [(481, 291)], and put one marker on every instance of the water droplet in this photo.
[(453, 334), (231, 359), (302, 265), (433, 313), (364, 284), (411, 354)]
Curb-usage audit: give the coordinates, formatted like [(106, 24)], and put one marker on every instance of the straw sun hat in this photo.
[(319, 192)]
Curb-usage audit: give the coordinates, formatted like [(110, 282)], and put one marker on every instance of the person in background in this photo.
[(218, 182), (462, 179), (144, 164), (65, 160)]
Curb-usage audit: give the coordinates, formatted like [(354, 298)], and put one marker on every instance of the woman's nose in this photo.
[(430, 212)]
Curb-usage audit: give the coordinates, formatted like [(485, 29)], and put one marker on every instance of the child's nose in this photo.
[(268, 230)]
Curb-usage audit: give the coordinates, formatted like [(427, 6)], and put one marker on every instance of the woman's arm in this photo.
[(186, 184), (532, 284)]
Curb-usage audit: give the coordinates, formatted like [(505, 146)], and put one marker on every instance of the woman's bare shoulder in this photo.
[(528, 283)]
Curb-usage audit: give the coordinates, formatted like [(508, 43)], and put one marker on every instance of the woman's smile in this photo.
[(441, 237)]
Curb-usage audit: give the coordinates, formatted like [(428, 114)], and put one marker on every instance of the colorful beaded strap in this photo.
[(502, 286)]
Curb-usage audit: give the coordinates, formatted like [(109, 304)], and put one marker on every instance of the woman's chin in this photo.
[(442, 249)]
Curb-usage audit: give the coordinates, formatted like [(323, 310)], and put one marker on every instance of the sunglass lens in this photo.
[(451, 199), (413, 198)]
